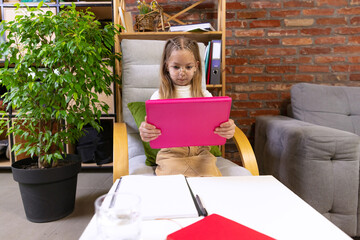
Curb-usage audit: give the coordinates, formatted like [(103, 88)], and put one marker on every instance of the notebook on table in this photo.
[(188, 121)]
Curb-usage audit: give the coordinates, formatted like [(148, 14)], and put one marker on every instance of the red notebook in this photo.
[(188, 121), (216, 227)]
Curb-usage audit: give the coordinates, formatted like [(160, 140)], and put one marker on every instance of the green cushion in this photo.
[(138, 111)]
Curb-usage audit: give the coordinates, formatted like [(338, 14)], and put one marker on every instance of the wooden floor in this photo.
[(13, 222)]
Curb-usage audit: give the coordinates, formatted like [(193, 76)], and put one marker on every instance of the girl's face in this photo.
[(182, 67)]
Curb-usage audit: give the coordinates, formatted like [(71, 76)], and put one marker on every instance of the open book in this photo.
[(161, 196)]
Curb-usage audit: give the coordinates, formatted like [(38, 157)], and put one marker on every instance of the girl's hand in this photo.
[(226, 129), (148, 132)]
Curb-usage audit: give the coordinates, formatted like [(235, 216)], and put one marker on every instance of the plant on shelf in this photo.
[(55, 67), (150, 17)]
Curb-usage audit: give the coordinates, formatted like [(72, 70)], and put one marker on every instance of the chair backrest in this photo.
[(331, 106), (140, 79)]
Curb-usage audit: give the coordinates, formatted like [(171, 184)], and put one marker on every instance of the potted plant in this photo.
[(55, 67)]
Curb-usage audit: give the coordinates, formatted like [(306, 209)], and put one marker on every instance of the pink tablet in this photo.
[(188, 121)]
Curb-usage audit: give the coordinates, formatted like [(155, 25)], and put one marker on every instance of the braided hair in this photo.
[(167, 88)]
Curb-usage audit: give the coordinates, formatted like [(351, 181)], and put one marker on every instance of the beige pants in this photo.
[(189, 161)]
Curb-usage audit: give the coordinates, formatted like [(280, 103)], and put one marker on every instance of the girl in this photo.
[(181, 78)]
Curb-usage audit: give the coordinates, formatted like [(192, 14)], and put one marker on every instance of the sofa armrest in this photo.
[(120, 151), (246, 152), (320, 164)]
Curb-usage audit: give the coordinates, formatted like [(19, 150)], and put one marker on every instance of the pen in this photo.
[(113, 197), (202, 209)]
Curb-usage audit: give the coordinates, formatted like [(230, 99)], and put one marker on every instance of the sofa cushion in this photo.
[(331, 106), (137, 166)]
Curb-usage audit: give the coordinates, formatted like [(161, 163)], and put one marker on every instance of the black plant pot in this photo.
[(47, 194)]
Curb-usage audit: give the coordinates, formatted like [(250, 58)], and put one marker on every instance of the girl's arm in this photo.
[(226, 129), (148, 132)]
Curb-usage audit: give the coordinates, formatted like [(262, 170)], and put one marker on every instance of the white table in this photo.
[(261, 203)]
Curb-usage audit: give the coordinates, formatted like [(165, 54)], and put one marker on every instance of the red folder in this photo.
[(216, 227)]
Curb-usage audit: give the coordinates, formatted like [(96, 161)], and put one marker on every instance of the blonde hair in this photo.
[(167, 88)]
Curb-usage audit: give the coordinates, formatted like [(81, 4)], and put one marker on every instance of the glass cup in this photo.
[(118, 216)]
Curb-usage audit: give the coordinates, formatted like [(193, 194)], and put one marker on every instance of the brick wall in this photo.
[(273, 44)]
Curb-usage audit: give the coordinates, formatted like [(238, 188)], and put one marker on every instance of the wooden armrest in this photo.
[(120, 151), (246, 152)]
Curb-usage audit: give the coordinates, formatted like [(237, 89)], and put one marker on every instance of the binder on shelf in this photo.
[(207, 62), (215, 70), (215, 227)]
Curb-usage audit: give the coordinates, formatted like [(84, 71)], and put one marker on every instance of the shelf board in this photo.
[(203, 37)]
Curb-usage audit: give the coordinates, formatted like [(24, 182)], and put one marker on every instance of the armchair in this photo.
[(315, 151), (140, 78)]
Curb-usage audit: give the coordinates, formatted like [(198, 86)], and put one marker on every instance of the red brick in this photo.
[(315, 31), (235, 5), (250, 33), (296, 41), (276, 104), (330, 40), (281, 51), (329, 59), (249, 52), (315, 50), (265, 60), (299, 3), (336, 3), (235, 42), (230, 15), (236, 61), (264, 42), (285, 13), (299, 78), (331, 21), (355, 20), (354, 39), (264, 112), (248, 121), (347, 30), (279, 87), (248, 69), (263, 96), (236, 24), (294, 60), (239, 113), (346, 68), (355, 59), (238, 96), (237, 79), (282, 32), (280, 69), (265, 23), (247, 105), (310, 68), (355, 2), (265, 4), (285, 95), (347, 49), (341, 68), (354, 77), (349, 11), (318, 12), (251, 15), (266, 78), (249, 88)]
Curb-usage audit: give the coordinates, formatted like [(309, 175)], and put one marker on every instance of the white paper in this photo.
[(161, 196)]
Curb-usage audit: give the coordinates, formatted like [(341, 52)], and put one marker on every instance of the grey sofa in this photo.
[(315, 151)]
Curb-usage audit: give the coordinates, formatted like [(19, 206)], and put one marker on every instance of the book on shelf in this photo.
[(199, 27), (217, 227), (161, 196)]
